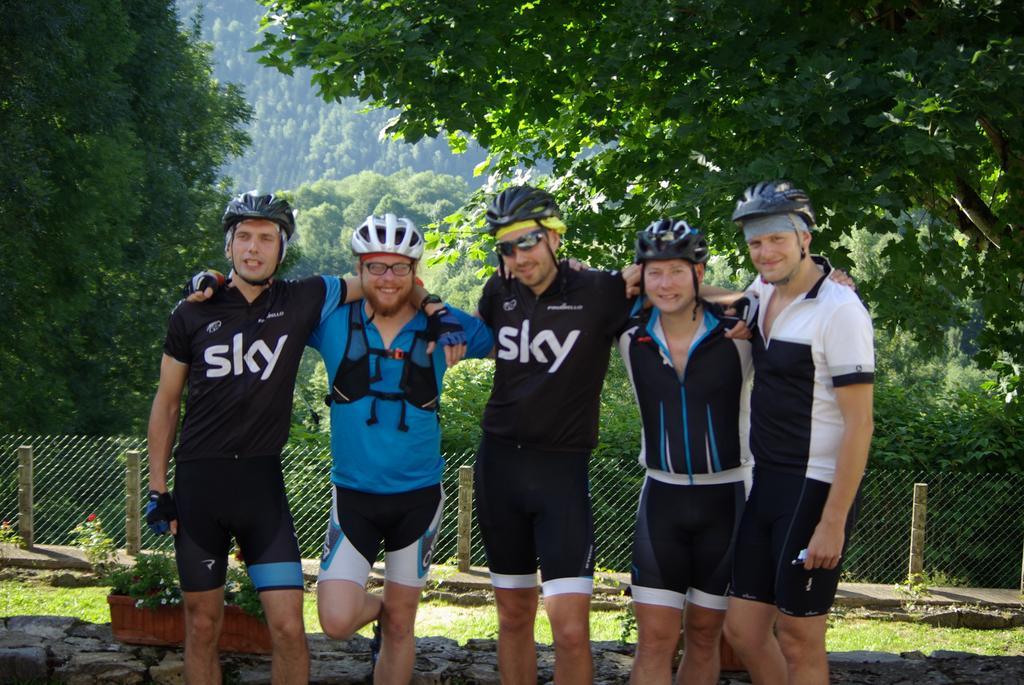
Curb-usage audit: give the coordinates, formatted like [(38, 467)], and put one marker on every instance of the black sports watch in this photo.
[(430, 299)]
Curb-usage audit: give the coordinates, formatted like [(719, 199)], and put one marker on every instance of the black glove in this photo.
[(160, 511), (745, 309), (203, 280), (444, 328)]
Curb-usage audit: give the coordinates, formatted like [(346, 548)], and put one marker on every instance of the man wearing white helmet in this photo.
[(239, 354), (385, 443), (811, 426)]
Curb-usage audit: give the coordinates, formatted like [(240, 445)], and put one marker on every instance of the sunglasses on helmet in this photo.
[(506, 248)]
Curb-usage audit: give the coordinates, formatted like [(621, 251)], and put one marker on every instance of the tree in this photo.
[(330, 210), (297, 138), (114, 131), (901, 117)]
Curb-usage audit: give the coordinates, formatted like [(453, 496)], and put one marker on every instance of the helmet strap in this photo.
[(696, 294)]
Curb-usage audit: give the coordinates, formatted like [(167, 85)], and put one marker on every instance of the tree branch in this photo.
[(974, 208), (1001, 145)]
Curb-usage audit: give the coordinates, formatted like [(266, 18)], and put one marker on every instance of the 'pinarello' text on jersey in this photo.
[(694, 427), (243, 358), (380, 442), (818, 343), (551, 356)]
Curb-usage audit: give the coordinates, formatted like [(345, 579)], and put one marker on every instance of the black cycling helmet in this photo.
[(671, 239), (252, 206), (774, 197), (520, 203)]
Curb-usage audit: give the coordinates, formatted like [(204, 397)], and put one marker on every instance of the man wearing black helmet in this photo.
[(811, 426), (554, 329), (238, 355), (692, 387)]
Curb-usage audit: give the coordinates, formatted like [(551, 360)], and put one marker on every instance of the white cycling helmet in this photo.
[(390, 235)]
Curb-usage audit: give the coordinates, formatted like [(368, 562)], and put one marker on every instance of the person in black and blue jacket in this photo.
[(692, 386)]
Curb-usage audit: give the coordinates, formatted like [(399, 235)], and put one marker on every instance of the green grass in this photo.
[(850, 634), (460, 623)]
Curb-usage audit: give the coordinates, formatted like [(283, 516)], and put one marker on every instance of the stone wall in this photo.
[(55, 648)]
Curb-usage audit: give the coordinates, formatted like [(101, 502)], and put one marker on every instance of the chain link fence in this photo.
[(975, 522)]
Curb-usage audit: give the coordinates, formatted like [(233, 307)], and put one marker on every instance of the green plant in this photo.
[(627, 625), (240, 591), (9, 535), (98, 546), (152, 582)]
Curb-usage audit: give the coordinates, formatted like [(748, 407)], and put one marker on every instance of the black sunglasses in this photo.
[(506, 248)]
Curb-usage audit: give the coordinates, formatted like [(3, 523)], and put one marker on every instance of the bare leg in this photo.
[(570, 625), (517, 650), (702, 658), (345, 607), (803, 645), (657, 629), (748, 626), (398, 643), (204, 614), (290, 662)]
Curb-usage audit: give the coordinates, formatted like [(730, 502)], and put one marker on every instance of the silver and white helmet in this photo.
[(388, 234)]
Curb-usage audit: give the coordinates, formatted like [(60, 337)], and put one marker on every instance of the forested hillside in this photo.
[(113, 133), (297, 138)]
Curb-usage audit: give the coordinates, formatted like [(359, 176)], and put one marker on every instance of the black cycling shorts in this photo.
[(533, 504), (244, 498), (682, 547), (406, 522), (778, 522)]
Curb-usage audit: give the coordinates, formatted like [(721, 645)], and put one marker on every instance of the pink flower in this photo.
[(90, 517)]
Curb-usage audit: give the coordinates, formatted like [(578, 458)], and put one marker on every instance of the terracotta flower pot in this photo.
[(166, 626)]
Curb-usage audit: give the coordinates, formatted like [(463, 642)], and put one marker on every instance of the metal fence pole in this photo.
[(465, 515), (917, 521), (132, 521), (25, 526)]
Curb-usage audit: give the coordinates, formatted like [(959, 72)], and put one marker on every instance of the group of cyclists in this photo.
[(755, 425)]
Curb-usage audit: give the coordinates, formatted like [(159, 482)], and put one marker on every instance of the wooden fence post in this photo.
[(132, 519), (465, 516), (25, 527), (917, 521)]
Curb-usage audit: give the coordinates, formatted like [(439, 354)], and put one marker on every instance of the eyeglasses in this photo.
[(380, 268), (506, 248)]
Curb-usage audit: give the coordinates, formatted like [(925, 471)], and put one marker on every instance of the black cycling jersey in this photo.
[(243, 359), (691, 425), (552, 356)]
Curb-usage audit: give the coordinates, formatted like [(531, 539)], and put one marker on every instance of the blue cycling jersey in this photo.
[(377, 457)]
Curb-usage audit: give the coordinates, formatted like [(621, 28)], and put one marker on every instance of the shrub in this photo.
[(153, 583), (98, 546)]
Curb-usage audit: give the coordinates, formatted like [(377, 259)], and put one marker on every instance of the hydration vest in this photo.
[(354, 378)]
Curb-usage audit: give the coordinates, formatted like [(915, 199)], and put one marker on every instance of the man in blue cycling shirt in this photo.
[(385, 444)]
